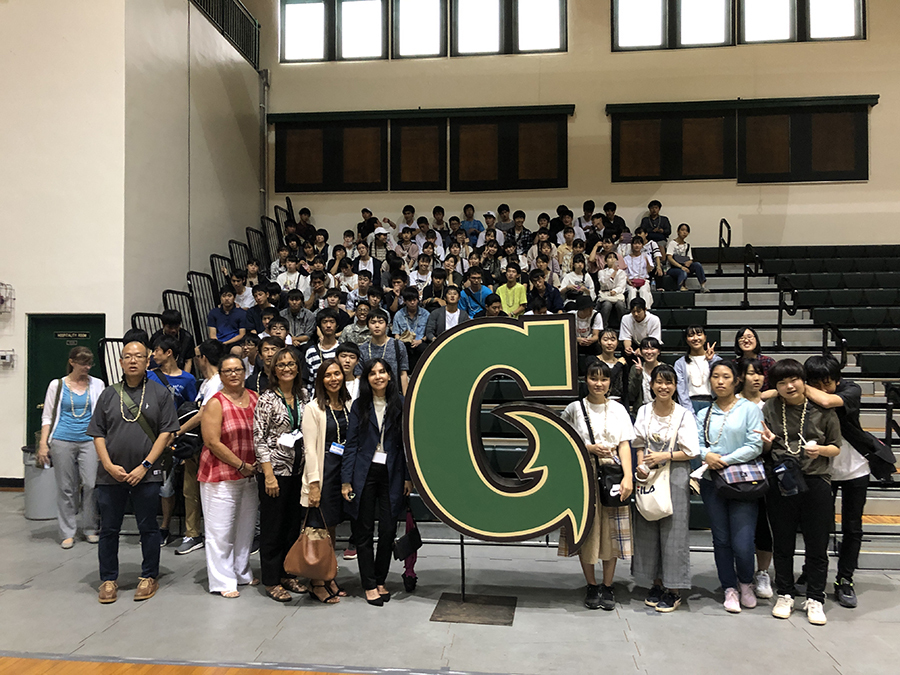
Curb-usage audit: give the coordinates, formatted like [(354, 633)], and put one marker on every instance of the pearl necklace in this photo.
[(787, 443), (87, 402), (721, 429), (140, 405)]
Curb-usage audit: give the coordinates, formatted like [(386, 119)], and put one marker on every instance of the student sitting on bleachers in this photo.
[(658, 227), (612, 285), (638, 324), (638, 268), (681, 261)]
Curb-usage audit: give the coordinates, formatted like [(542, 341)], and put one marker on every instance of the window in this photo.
[(331, 156), (328, 30), (526, 152), (490, 148), (752, 140), (678, 24), (420, 28)]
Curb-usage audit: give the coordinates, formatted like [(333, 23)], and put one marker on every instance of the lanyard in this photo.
[(293, 411)]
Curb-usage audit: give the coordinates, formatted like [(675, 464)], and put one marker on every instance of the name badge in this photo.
[(337, 448), (288, 440), (379, 458)]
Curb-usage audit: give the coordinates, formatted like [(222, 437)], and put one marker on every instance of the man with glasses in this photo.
[(131, 426), (474, 295)]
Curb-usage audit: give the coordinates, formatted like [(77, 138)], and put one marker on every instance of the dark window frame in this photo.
[(509, 35), (333, 157), (396, 167), (508, 155), (332, 30), (385, 32)]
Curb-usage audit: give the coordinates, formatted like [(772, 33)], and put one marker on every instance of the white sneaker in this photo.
[(783, 607), (732, 601), (763, 585), (748, 600), (815, 612)]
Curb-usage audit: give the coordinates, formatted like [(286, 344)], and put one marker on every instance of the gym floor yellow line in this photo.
[(36, 666)]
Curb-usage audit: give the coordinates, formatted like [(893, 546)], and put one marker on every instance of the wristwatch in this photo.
[(147, 465)]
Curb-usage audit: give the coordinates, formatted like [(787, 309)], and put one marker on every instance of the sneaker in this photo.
[(763, 585), (92, 538), (350, 554), (732, 601), (109, 592), (704, 289), (669, 602), (844, 593), (783, 607), (146, 589), (592, 596), (164, 537), (254, 549), (189, 544), (654, 596), (748, 599), (815, 612), (607, 598)]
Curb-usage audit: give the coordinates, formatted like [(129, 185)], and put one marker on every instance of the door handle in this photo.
[(40, 406)]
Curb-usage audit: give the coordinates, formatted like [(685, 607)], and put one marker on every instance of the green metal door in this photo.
[(50, 338)]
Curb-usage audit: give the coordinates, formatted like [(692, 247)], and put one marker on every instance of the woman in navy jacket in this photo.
[(373, 473)]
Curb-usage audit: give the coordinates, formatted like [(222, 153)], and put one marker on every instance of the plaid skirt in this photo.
[(609, 538)]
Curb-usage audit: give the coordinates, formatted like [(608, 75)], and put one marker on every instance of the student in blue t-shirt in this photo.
[(473, 298), (227, 323), (471, 226), (183, 387)]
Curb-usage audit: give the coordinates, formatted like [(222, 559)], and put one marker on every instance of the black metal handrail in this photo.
[(891, 426), (750, 257), (723, 244), (236, 23), (829, 330), (785, 289)]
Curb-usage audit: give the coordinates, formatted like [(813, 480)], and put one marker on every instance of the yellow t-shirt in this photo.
[(512, 298)]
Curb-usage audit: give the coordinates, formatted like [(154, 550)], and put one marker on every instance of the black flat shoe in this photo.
[(386, 597), (409, 583), (592, 596), (379, 602)]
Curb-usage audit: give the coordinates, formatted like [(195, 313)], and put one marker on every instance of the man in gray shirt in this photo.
[(128, 414)]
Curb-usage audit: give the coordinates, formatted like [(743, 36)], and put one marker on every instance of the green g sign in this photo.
[(443, 442)]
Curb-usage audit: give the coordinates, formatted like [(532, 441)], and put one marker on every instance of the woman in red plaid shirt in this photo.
[(227, 489)]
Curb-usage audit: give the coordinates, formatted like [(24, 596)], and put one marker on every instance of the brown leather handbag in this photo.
[(312, 555)]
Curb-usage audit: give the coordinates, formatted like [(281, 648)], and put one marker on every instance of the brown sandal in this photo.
[(294, 585), (278, 594), (329, 599), (230, 594)]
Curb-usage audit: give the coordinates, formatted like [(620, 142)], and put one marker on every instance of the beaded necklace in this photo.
[(87, 402), (787, 443), (140, 405), (721, 429)]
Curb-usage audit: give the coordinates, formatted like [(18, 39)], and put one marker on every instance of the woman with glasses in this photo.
[(227, 488), (373, 471), (746, 348), (325, 429), (68, 406), (279, 454)]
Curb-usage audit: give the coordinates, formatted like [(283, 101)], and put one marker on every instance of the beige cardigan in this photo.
[(313, 427)]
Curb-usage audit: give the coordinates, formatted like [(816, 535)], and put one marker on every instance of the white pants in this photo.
[(229, 515), (644, 292), (75, 465)]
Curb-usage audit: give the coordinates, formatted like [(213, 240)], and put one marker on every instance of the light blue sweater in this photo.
[(739, 442)]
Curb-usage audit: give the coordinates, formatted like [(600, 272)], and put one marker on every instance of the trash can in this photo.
[(40, 488)]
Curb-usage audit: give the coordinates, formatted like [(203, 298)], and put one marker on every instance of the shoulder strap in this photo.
[(135, 412), (587, 420), (162, 377), (397, 356), (58, 397), (706, 426)]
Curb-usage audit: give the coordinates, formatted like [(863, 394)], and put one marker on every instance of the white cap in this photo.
[(380, 230), (490, 213)]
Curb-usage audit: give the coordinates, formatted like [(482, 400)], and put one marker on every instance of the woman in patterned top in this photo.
[(227, 488), (279, 452)]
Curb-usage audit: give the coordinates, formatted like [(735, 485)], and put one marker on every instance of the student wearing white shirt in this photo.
[(638, 268), (584, 221), (611, 288), (243, 295), (292, 278), (638, 324), (693, 370)]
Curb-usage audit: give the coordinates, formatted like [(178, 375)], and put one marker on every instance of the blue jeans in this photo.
[(112, 500), (733, 528), (681, 276)]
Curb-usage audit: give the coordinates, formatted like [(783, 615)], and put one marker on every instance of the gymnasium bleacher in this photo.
[(800, 299)]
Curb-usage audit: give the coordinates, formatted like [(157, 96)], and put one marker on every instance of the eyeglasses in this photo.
[(286, 366), (233, 371), (133, 357), (746, 338)]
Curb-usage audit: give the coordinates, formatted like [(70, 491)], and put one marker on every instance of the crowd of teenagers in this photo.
[(289, 416)]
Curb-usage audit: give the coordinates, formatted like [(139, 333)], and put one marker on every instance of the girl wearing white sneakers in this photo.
[(729, 433)]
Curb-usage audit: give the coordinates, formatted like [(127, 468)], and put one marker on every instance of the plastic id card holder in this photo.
[(379, 458), (336, 448), (288, 440)]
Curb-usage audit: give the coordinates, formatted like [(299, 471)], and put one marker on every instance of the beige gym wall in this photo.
[(590, 75)]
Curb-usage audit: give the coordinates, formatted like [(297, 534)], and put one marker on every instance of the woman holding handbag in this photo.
[(665, 440), (730, 436), (68, 406), (605, 427), (325, 426), (279, 454), (227, 489), (373, 471)]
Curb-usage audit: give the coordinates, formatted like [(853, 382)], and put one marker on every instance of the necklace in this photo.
[(721, 429), (87, 403), (336, 423), (692, 368), (605, 433), (140, 405), (787, 442), (240, 402), (656, 438)]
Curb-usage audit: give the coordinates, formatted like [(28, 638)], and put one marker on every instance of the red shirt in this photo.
[(237, 436)]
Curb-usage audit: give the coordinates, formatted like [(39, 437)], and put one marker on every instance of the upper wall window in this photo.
[(329, 30), (681, 24)]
